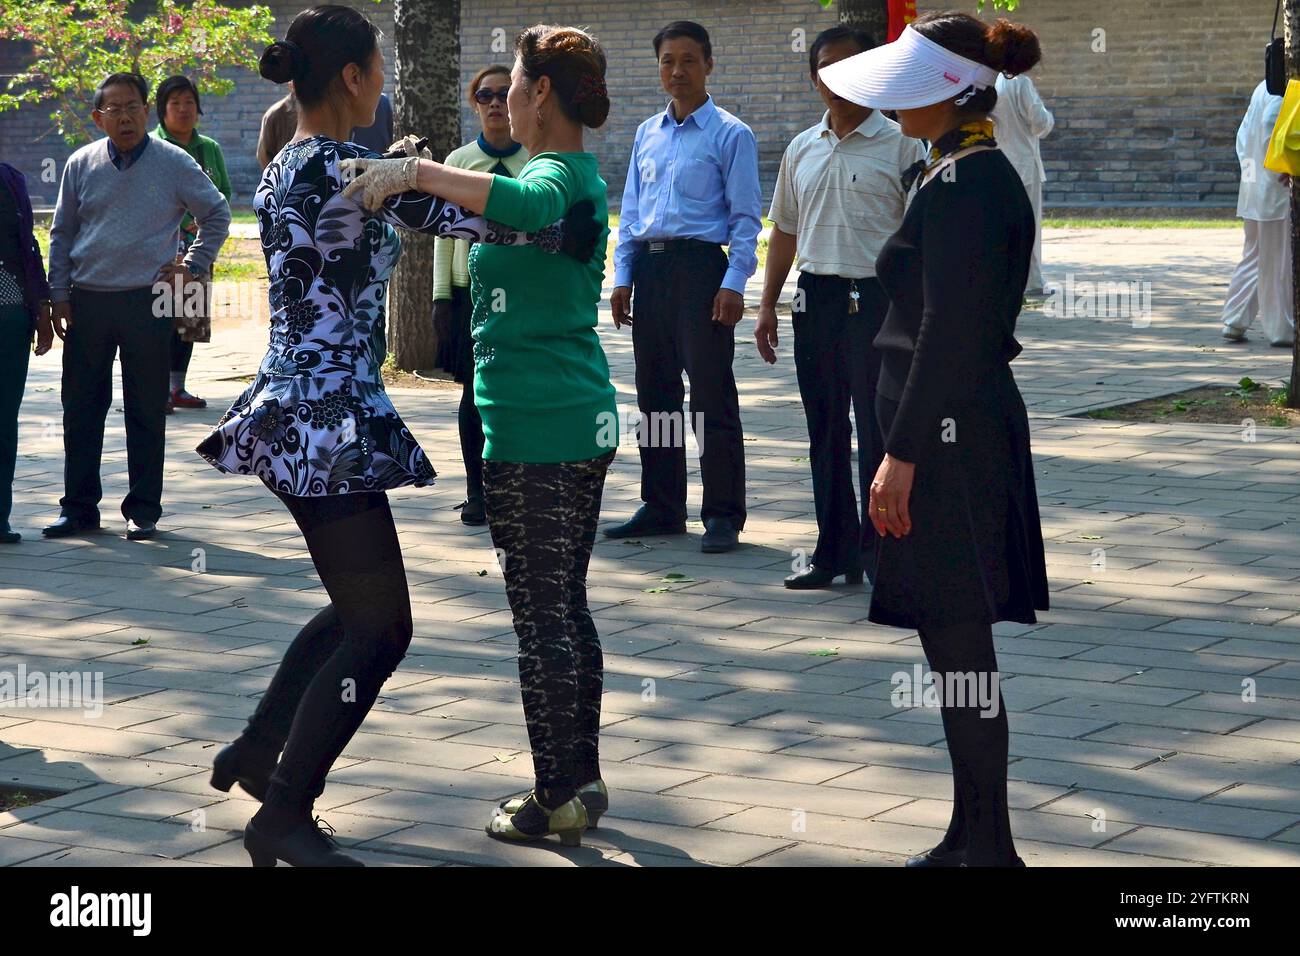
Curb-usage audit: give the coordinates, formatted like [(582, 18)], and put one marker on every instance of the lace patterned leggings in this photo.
[(542, 518)]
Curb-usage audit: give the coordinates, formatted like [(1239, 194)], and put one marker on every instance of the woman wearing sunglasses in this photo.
[(494, 151)]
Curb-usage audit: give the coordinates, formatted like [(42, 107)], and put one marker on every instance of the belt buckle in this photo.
[(657, 246)]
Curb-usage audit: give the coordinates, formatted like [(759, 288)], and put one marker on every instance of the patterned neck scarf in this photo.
[(978, 133)]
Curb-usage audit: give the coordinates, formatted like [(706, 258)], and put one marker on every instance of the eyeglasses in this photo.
[(485, 96), (134, 109)]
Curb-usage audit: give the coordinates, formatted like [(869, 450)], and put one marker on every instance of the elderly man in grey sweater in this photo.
[(115, 234)]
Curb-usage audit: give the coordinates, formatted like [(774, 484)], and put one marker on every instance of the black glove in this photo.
[(442, 319), (575, 235), (581, 229)]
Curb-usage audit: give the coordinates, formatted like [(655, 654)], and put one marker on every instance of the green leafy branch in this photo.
[(75, 44)]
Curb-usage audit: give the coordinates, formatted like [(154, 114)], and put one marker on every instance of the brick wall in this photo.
[(1154, 118), (760, 68), (1151, 120)]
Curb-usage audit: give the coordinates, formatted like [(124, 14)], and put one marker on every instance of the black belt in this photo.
[(814, 277), (657, 246)]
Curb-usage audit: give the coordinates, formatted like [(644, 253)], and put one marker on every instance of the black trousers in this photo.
[(334, 669), (543, 517), (673, 331), (15, 349), (470, 425), (977, 745), (105, 324), (838, 368)]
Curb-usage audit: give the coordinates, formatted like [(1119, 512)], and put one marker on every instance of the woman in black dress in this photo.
[(954, 500)]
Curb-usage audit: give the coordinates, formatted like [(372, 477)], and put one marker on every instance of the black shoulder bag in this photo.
[(1275, 59)]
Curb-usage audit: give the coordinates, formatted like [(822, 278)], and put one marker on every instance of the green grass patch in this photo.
[(1056, 222), (15, 797), (239, 271)]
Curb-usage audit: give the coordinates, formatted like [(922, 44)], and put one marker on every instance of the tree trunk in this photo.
[(1292, 15), (869, 15), (426, 102)]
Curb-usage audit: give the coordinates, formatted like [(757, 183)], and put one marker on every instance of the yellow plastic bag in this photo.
[(1284, 145)]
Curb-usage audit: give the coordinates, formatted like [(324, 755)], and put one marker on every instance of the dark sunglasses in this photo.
[(485, 96)]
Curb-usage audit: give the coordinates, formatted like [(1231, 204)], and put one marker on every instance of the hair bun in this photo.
[(1011, 48), (282, 61)]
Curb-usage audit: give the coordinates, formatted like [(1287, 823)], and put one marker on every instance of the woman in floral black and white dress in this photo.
[(318, 428)]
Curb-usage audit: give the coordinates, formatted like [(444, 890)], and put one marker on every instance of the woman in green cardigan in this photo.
[(177, 102), (549, 417)]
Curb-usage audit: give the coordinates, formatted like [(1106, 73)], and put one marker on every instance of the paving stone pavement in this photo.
[(1153, 710)]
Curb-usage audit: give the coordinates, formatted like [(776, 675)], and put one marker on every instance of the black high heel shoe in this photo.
[(311, 844), (937, 857), (242, 763), (814, 577)]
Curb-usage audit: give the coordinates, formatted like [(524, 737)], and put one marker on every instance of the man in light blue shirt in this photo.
[(692, 186)]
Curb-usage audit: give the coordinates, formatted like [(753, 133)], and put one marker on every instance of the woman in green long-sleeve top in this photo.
[(177, 102), (549, 419)]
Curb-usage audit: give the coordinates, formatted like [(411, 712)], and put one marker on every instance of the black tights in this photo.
[(471, 440), (335, 667), (977, 745)]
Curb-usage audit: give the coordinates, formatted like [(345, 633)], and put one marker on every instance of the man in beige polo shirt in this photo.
[(839, 196)]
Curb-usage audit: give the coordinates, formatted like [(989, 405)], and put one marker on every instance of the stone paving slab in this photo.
[(1153, 710)]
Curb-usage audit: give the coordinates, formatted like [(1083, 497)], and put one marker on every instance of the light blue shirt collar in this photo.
[(703, 116)]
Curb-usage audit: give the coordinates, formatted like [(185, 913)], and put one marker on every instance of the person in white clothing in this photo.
[(1262, 281), (1020, 120)]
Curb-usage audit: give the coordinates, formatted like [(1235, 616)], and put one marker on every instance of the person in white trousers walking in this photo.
[(1020, 120), (1262, 281)]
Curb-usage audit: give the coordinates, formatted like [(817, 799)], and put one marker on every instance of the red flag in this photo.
[(901, 13)]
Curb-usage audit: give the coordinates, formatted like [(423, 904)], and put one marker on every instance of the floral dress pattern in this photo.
[(316, 419)]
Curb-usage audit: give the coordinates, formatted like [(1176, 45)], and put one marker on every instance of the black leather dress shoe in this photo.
[(311, 844), (645, 524), (8, 535), (813, 577), (473, 512), (140, 530), (934, 857), (719, 535), (66, 527)]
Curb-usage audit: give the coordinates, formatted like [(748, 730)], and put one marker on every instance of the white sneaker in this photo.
[(1233, 335)]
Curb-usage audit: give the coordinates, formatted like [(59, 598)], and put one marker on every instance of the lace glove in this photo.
[(406, 146), (377, 179)]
